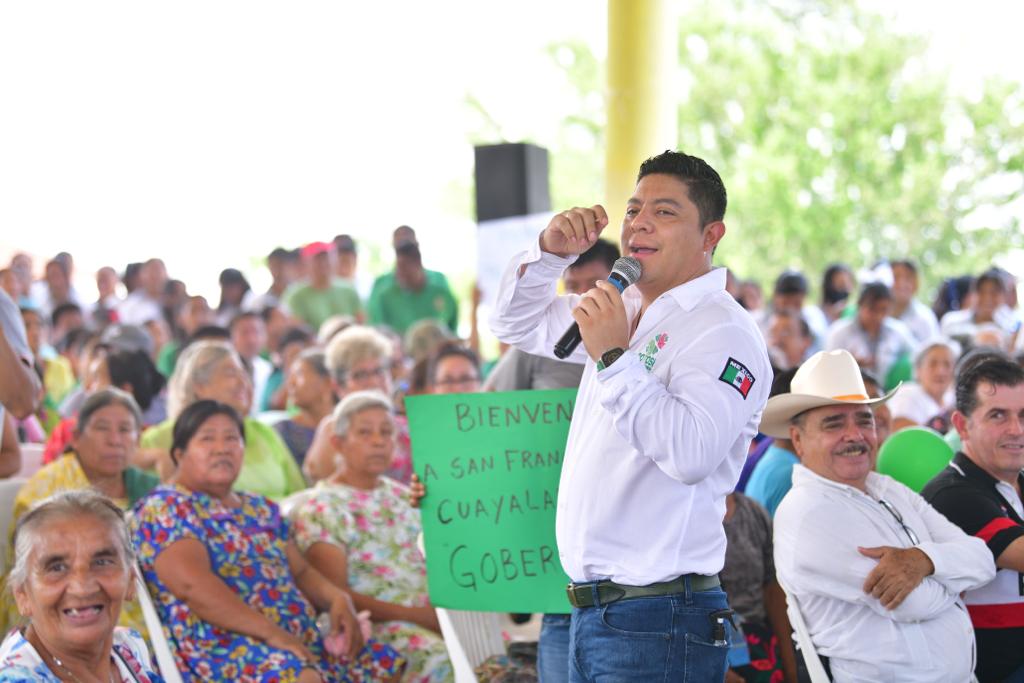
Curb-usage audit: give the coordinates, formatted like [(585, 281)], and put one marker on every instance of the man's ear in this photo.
[(713, 234), (959, 421), (796, 436)]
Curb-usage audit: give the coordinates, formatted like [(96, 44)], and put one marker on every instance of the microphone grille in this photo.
[(629, 268)]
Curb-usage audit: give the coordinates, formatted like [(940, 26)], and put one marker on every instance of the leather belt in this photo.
[(582, 594)]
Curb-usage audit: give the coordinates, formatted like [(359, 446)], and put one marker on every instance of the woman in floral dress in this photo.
[(359, 531), (235, 596)]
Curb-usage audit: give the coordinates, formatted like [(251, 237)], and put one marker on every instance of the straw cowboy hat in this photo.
[(828, 378)]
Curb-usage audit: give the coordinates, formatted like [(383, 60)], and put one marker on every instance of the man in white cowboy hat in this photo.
[(876, 572)]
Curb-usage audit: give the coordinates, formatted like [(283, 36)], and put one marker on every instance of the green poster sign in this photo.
[(491, 463)]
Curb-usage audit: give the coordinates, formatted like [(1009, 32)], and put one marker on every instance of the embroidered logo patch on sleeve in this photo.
[(737, 376)]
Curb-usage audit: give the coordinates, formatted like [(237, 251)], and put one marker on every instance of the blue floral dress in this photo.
[(21, 663), (246, 545)]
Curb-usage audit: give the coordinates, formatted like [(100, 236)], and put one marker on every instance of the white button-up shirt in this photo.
[(657, 439), (818, 528)]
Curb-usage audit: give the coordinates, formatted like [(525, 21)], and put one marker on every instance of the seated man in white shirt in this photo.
[(876, 340), (876, 571)]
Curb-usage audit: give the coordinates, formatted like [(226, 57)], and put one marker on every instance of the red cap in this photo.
[(315, 248)]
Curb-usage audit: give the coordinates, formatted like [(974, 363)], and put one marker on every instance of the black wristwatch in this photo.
[(609, 357)]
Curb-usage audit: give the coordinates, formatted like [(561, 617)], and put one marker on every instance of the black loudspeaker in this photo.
[(511, 180)]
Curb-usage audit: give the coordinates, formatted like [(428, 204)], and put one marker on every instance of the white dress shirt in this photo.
[(913, 403), (818, 528), (893, 341), (920, 320), (657, 440)]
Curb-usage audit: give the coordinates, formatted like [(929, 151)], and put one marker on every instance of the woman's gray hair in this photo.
[(29, 531), (102, 398), (353, 345), (195, 367), (355, 403)]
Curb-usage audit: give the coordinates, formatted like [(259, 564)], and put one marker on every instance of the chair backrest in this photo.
[(8, 490), (803, 640), (31, 458), (293, 501), (157, 638), (470, 637)]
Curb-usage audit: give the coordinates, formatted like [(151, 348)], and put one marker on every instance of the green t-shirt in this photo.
[(268, 469), (313, 306), (400, 308)]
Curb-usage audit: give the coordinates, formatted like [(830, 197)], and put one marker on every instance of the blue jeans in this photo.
[(667, 639), (553, 649)]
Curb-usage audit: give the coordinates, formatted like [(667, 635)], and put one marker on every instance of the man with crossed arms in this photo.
[(875, 571)]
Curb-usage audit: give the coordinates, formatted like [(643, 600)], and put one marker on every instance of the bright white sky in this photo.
[(209, 132)]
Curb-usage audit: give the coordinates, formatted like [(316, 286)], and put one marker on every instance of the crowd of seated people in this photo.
[(238, 407)]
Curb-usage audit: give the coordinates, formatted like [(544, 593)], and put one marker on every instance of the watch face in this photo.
[(610, 356)]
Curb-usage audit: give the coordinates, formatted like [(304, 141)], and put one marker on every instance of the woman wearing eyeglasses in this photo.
[(359, 359)]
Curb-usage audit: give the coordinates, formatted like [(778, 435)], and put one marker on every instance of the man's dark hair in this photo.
[(603, 251), (244, 315), (782, 382), (279, 253), (873, 292), (791, 282), (988, 365), (60, 311), (292, 335), (207, 333), (704, 185)]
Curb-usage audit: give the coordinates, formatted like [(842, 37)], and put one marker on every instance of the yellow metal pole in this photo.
[(642, 117)]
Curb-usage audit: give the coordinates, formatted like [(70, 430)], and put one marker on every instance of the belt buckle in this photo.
[(570, 591)]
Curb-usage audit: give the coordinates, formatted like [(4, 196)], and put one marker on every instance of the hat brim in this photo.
[(781, 409)]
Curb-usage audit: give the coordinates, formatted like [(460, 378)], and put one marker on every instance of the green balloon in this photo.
[(913, 456)]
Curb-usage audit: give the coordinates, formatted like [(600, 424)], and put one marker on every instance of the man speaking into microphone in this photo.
[(676, 377)]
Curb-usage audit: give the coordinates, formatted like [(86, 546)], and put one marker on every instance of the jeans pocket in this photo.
[(704, 661), (639, 618)]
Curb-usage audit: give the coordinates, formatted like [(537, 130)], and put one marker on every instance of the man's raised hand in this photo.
[(573, 231)]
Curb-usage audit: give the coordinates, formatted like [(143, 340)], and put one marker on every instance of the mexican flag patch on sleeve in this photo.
[(737, 376)]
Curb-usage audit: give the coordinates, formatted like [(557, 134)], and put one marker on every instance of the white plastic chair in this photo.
[(803, 640), (8, 490), (470, 637), (31, 458), (161, 646), (293, 501)]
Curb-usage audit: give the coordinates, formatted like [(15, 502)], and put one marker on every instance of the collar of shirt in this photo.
[(691, 292), (875, 484), (973, 473)]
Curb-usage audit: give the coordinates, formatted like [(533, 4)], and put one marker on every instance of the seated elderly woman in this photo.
[(72, 573), (105, 438), (360, 531), (359, 359), (213, 370), (931, 392), (236, 597)]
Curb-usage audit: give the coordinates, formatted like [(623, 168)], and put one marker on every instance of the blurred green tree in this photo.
[(837, 139)]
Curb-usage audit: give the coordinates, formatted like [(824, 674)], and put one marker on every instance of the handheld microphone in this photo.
[(626, 271)]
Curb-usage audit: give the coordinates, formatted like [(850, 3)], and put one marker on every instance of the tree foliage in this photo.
[(836, 139)]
